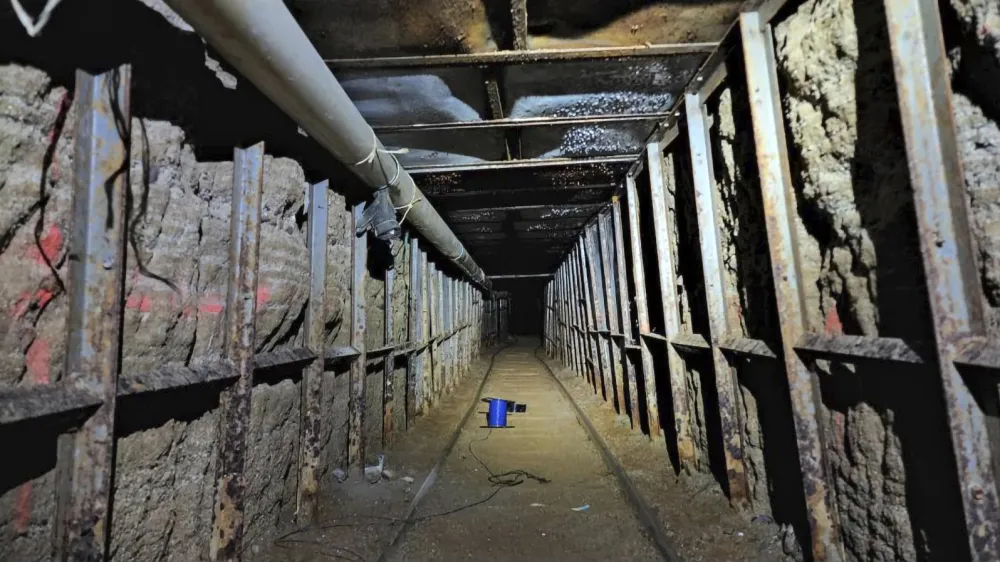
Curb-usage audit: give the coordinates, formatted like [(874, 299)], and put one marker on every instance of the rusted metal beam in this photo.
[(592, 306), (523, 57), (500, 123), (26, 403), (715, 297), (779, 208), (85, 461), (662, 228), (606, 245), (312, 375), (747, 347), (923, 84), (241, 310), (415, 330), (519, 24), (624, 308), (688, 342), (858, 348), (531, 164), (388, 392), (356, 398), (978, 351), (642, 309)]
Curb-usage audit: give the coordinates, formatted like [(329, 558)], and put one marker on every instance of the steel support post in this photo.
[(85, 458), (415, 333), (626, 315), (597, 283), (923, 83), (779, 206), (388, 392), (356, 400), (312, 375), (715, 296), (241, 309), (617, 346)]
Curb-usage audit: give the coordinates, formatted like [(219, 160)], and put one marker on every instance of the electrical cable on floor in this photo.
[(499, 481)]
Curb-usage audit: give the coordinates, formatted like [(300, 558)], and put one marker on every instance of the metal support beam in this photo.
[(662, 229), (312, 374), (605, 244), (779, 206), (519, 21), (85, 461), (715, 288), (626, 316), (642, 312), (388, 393), (597, 283), (356, 398), (523, 57), (923, 83), (415, 331), (241, 311)]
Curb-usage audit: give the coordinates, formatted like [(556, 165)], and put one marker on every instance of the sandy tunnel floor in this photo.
[(578, 514)]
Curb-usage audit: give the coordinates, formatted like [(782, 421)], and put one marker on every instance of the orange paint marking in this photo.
[(210, 304), (140, 302), (263, 295), (47, 247), (833, 324), (21, 305)]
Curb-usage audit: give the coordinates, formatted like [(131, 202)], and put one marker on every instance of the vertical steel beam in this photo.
[(597, 283), (779, 206), (241, 310), (388, 392), (668, 301), (100, 177), (715, 295), (924, 87), (580, 322), (613, 313), (415, 332), (311, 413), (626, 316), (593, 370), (519, 19), (586, 323), (356, 401), (441, 357), (425, 389), (432, 307)]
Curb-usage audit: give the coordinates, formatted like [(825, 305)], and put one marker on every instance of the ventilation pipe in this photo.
[(265, 43)]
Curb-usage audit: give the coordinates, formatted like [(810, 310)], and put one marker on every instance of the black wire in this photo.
[(505, 479)]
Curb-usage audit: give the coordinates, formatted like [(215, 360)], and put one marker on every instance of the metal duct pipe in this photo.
[(265, 43)]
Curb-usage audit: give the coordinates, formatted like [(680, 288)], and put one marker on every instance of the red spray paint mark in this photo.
[(21, 305), (41, 298), (38, 360), (47, 248), (263, 295), (140, 302), (833, 324), (210, 304)]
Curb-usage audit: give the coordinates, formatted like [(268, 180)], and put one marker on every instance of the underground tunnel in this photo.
[(541, 280)]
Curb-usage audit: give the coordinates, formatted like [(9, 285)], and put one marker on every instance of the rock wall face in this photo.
[(894, 489), (179, 199)]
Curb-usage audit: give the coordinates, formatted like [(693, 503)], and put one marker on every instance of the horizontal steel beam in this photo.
[(529, 164), (522, 57), (526, 212), (500, 124), (38, 401), (859, 347), (523, 276)]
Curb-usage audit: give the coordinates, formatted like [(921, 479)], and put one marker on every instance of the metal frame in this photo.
[(623, 306), (617, 345), (356, 399), (711, 261), (241, 309), (85, 461), (923, 83), (312, 375)]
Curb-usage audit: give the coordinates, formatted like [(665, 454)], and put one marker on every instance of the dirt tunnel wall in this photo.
[(188, 113), (886, 453)]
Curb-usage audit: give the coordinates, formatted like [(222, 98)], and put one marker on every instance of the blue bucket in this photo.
[(497, 415)]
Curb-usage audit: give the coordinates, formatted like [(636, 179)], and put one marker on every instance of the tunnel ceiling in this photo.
[(517, 120)]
